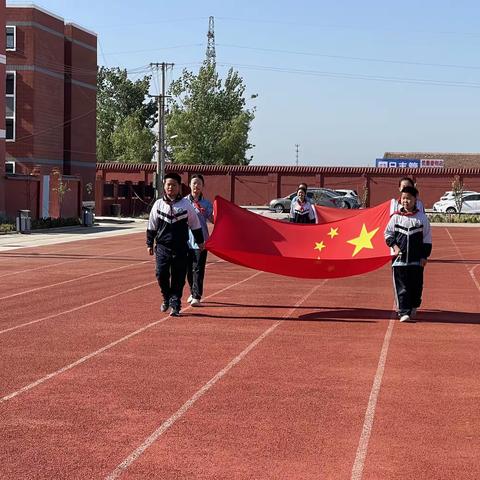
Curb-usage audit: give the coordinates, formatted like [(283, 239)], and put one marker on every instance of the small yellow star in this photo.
[(364, 240), (333, 232), (319, 246)]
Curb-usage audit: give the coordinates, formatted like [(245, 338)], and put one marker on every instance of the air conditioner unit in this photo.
[(9, 167)]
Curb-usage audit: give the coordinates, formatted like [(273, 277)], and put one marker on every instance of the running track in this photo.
[(272, 378)]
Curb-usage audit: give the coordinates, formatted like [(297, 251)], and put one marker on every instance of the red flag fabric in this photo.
[(329, 214), (348, 246)]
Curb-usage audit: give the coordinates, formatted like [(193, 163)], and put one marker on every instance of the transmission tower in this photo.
[(211, 56)]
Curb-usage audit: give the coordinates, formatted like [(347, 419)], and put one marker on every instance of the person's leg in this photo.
[(402, 297), (201, 263), (190, 266), (416, 286), (179, 272), (163, 258)]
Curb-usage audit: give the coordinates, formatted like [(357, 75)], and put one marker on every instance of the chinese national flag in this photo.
[(340, 248)]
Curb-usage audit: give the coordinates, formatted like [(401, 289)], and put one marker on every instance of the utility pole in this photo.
[(161, 128), (296, 151)]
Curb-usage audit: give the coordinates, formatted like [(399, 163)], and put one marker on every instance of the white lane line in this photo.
[(470, 272), (78, 260), (85, 305), (73, 280), (110, 345), (358, 464), (199, 393)]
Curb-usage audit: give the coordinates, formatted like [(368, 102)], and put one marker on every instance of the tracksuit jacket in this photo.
[(168, 227), (411, 233)]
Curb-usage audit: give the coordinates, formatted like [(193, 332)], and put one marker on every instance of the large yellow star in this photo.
[(364, 240), (333, 232), (319, 246)]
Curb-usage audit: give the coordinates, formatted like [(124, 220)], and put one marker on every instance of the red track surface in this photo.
[(272, 378)]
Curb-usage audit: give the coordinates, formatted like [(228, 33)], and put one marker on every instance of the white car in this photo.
[(470, 204), (347, 193), (451, 195)]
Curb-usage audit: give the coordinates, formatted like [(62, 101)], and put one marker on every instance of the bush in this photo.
[(54, 222), (453, 218), (7, 227)]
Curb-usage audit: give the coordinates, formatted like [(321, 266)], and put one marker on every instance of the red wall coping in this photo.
[(285, 170)]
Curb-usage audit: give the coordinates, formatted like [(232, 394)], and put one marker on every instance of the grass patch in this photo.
[(453, 217)]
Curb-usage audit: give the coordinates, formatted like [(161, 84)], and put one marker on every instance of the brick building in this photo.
[(50, 97), (2, 108), (450, 160)]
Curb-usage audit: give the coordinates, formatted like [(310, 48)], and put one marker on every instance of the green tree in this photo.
[(208, 122), (132, 142), (119, 98)]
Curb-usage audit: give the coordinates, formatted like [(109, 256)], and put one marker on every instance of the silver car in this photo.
[(318, 196)]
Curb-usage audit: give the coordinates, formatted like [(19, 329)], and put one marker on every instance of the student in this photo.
[(301, 210), (168, 224), (308, 199), (402, 183), (197, 258), (408, 235)]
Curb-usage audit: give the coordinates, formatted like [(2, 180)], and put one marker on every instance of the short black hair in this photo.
[(199, 176), (302, 183), (304, 190), (173, 176), (411, 190), (406, 179)]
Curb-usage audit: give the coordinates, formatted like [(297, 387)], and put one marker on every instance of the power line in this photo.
[(345, 57), (352, 76)]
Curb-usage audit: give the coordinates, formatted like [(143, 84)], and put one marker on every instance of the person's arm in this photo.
[(152, 227), (427, 241), (390, 236), (195, 226), (291, 215), (209, 213)]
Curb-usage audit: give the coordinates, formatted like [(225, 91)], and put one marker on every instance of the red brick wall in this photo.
[(23, 193), (259, 185), (2, 117)]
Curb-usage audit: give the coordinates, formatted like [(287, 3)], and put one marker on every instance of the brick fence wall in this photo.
[(130, 185)]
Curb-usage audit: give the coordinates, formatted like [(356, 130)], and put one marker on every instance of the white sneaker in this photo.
[(189, 299), (195, 302), (407, 318)]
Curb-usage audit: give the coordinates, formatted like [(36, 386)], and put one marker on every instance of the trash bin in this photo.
[(115, 209), (23, 221), (87, 216)]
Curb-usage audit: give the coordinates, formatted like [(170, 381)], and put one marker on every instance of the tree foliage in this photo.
[(132, 142), (121, 102), (208, 122)]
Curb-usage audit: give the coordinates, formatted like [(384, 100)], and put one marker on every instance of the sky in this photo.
[(345, 80)]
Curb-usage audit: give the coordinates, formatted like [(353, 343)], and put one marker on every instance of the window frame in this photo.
[(13, 95), (14, 27)]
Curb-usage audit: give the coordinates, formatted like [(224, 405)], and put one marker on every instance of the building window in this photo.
[(11, 43), (10, 92)]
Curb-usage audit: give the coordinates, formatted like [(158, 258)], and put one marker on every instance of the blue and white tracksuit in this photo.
[(168, 227), (411, 233), (197, 259)]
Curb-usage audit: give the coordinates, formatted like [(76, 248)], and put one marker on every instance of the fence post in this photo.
[(232, 187)]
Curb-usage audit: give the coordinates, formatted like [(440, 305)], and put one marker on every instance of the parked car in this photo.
[(347, 193), (350, 200), (470, 204), (318, 196), (450, 194)]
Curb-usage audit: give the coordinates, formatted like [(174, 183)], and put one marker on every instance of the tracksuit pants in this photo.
[(197, 259), (171, 269), (408, 287)]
